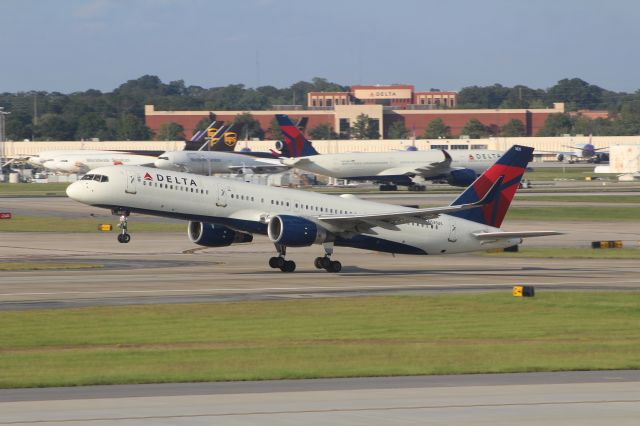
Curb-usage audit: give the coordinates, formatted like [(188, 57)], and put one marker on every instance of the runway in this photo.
[(566, 398)]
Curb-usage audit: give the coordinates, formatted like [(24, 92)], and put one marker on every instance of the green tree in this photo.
[(365, 128), (249, 126), (323, 131), (91, 125), (397, 130), (556, 125), (54, 127), (274, 131), (475, 129), (18, 126), (131, 128), (436, 129), (170, 131), (514, 127)]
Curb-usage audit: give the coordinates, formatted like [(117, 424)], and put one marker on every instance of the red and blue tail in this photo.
[(511, 166), (295, 144)]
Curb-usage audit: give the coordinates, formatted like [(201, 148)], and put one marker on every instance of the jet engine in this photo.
[(462, 177), (560, 157), (294, 231), (280, 145), (210, 235)]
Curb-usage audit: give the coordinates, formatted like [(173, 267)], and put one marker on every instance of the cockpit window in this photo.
[(97, 178), (163, 158), (87, 177), (104, 178)]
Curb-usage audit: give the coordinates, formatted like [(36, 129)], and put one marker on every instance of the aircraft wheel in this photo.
[(288, 266), (334, 266), (325, 262), (124, 238), (318, 263), (276, 262)]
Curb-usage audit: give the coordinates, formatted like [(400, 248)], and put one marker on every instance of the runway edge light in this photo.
[(523, 291)]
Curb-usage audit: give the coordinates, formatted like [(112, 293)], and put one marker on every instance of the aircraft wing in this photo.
[(517, 234), (390, 220), (295, 161), (263, 168), (436, 168)]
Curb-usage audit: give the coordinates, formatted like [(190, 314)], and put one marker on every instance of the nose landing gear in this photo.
[(123, 236)]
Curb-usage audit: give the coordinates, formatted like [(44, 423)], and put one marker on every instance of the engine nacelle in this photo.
[(294, 231), (210, 235), (560, 157), (462, 177), (279, 145)]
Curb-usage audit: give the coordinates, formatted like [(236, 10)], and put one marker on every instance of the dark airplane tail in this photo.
[(509, 170), (225, 140), (197, 141), (294, 143)]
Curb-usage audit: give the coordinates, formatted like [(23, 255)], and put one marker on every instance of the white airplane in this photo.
[(84, 160), (407, 168), (222, 212), (210, 162)]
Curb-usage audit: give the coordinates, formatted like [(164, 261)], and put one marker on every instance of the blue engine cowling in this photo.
[(294, 231), (210, 235), (462, 177)]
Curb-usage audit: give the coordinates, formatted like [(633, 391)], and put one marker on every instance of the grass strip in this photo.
[(346, 337), (33, 189), (574, 213), (40, 266), (57, 224), (570, 253)]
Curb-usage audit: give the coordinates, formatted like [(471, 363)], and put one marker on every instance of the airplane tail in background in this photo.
[(510, 167), (295, 144), (225, 139), (196, 142)]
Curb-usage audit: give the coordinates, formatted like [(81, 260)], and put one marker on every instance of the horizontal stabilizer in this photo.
[(515, 234)]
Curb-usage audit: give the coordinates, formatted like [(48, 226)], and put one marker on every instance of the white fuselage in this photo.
[(365, 164), (210, 162), (247, 207), (81, 161)]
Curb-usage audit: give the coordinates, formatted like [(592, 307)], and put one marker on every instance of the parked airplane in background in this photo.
[(583, 152), (390, 169), (210, 162), (83, 160), (222, 212)]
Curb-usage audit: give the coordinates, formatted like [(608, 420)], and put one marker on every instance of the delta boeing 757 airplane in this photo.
[(222, 212)]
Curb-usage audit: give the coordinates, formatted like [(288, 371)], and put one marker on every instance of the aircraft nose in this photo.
[(75, 191)]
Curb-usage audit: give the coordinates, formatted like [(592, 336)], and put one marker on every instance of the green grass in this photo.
[(39, 266), (33, 189), (346, 337), (551, 173), (571, 253), (608, 199), (547, 214), (57, 224)]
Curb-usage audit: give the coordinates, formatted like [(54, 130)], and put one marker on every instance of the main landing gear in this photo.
[(279, 262), (325, 262), (123, 237)]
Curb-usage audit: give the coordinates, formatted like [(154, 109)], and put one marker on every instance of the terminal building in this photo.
[(384, 105)]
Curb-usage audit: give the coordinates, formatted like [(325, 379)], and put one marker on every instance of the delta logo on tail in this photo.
[(510, 167), (296, 143)]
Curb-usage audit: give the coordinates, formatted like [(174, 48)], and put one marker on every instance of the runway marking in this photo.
[(329, 410), (311, 288)]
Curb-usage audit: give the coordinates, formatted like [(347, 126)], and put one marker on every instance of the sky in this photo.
[(75, 45)]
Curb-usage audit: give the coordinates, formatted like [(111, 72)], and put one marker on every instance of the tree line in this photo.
[(119, 114)]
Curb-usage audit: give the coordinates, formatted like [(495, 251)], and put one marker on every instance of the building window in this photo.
[(328, 102), (459, 147)]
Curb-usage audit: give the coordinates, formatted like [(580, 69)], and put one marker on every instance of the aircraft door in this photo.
[(452, 234), (130, 188), (223, 192)]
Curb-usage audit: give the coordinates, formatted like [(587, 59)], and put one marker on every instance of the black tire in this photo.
[(126, 238), (334, 266), (273, 262), (325, 262), (288, 266), (318, 263)]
